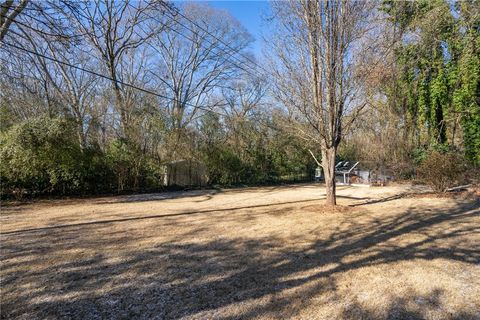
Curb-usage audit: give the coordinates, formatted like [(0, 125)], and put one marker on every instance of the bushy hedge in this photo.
[(43, 156), (132, 169), (262, 166), (39, 156)]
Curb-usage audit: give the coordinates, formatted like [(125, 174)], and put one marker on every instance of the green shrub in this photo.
[(126, 161), (133, 169), (43, 156), (40, 156), (224, 166)]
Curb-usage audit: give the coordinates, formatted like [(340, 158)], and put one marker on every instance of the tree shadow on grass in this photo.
[(159, 216), (413, 306), (226, 277)]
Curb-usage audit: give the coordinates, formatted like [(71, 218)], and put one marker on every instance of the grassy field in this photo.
[(257, 253)]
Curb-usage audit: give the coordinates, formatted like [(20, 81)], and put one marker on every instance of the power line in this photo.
[(108, 78), (173, 16), (45, 14), (178, 12), (232, 50), (47, 33), (188, 38), (153, 47)]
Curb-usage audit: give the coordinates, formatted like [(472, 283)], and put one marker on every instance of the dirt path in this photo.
[(246, 253)]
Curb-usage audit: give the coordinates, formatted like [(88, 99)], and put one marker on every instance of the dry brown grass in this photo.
[(329, 209), (254, 254), (462, 194)]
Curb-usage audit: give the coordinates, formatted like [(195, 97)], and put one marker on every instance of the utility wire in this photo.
[(188, 38), (178, 12), (229, 55), (108, 78), (173, 15), (47, 33)]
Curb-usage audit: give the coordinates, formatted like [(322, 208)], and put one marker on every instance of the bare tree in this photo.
[(67, 91), (115, 29), (199, 54), (243, 110), (317, 49), (9, 10), (74, 89), (36, 17), (23, 90), (243, 96)]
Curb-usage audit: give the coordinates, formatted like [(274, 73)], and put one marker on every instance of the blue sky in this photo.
[(249, 13)]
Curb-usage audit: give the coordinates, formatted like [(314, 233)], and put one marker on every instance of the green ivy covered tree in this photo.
[(438, 63)]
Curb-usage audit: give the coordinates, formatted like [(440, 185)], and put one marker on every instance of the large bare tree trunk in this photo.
[(319, 48), (328, 164)]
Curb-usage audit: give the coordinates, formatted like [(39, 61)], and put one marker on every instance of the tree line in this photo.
[(429, 85), (100, 96)]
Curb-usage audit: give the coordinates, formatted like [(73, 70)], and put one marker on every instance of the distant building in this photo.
[(185, 173)]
